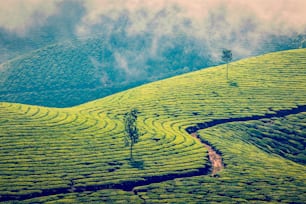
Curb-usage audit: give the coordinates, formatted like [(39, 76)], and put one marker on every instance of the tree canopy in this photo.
[(227, 56), (132, 133)]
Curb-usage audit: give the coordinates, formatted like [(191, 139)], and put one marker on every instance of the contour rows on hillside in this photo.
[(48, 148), (214, 157)]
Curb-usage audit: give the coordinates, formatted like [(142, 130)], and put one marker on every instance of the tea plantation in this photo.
[(77, 154), (251, 175), (81, 70)]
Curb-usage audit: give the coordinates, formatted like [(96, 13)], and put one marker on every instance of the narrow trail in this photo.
[(214, 155)]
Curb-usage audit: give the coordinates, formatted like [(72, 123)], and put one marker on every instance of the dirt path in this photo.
[(214, 157)]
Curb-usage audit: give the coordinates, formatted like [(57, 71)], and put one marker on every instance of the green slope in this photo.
[(81, 70), (250, 176), (47, 148)]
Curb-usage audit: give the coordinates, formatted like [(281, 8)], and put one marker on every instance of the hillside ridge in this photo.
[(131, 185), (53, 150)]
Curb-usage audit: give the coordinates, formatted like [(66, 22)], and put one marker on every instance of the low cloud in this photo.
[(19, 16), (270, 15), (130, 64), (196, 17), (238, 24)]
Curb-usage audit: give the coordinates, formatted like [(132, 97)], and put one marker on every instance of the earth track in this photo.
[(214, 155)]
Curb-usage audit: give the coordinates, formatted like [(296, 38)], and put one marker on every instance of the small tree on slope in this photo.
[(227, 57), (132, 133)]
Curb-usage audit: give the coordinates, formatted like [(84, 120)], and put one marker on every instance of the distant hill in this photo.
[(77, 154), (80, 70)]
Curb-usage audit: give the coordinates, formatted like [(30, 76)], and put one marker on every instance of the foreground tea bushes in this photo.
[(282, 136), (58, 148), (71, 151), (251, 174)]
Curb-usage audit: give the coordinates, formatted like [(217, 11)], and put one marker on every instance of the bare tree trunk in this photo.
[(227, 71), (131, 151)]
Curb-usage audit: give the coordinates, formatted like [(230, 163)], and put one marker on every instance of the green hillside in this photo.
[(78, 70), (77, 154), (81, 70)]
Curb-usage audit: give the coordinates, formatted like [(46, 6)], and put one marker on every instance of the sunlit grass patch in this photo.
[(43, 148)]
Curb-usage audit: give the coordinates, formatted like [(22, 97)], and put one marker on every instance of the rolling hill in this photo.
[(80, 70), (256, 121)]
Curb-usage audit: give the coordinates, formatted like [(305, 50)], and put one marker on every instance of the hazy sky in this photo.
[(215, 23), (280, 15)]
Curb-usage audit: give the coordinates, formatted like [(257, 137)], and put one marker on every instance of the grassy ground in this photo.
[(251, 175), (49, 148)]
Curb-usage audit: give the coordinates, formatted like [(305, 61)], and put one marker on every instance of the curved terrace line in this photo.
[(277, 114), (216, 163)]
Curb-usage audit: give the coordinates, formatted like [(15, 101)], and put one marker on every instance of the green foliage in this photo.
[(250, 176), (48, 148), (282, 136), (227, 57), (81, 70), (132, 132), (233, 84)]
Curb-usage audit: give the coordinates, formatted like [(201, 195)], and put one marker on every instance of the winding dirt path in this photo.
[(214, 157)]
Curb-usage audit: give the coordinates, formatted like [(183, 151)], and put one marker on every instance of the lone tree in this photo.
[(132, 133), (227, 57)]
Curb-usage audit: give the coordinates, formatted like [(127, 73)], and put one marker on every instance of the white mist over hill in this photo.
[(237, 24), (118, 44), (216, 23)]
